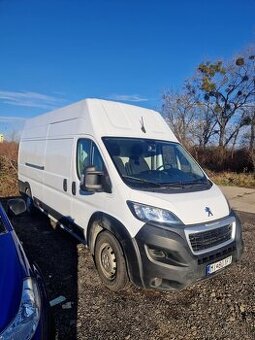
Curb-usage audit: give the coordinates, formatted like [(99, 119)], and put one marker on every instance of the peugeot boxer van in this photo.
[(115, 176)]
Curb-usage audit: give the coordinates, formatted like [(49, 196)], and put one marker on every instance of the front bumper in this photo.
[(168, 262)]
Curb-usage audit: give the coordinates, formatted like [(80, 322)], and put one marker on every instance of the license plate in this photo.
[(214, 267)]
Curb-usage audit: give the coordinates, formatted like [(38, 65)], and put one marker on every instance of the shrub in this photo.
[(218, 160)]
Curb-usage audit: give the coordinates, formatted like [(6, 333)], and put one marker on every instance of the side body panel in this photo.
[(31, 160), (57, 172)]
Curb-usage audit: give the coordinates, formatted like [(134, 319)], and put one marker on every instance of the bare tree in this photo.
[(179, 111), (226, 89), (206, 125), (249, 136), (192, 122)]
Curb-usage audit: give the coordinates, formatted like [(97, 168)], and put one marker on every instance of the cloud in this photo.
[(12, 119), (30, 99), (128, 98)]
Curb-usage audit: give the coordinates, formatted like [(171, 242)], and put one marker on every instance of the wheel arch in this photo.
[(23, 186), (100, 221)]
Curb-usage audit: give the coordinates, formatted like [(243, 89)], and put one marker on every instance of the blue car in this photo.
[(24, 308)]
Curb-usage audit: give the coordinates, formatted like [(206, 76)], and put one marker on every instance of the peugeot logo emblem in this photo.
[(208, 210)]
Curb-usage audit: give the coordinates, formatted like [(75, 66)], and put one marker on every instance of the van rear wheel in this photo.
[(110, 262)]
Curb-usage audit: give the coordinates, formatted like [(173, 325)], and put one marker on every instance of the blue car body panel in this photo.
[(12, 274), (14, 267)]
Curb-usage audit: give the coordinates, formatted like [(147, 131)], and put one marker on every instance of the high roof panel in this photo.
[(100, 118)]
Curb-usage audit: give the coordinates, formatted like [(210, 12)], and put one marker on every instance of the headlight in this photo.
[(148, 213), (25, 322)]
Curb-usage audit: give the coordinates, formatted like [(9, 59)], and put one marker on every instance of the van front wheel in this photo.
[(110, 262)]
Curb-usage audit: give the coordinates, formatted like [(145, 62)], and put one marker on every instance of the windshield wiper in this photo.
[(182, 184), (196, 181), (141, 180), (173, 184)]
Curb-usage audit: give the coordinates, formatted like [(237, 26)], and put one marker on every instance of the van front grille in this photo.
[(210, 238)]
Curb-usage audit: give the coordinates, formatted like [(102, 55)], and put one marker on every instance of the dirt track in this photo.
[(220, 308)]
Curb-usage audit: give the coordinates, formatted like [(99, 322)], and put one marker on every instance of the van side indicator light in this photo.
[(209, 212)]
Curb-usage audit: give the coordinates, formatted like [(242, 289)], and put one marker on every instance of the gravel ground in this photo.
[(220, 308)]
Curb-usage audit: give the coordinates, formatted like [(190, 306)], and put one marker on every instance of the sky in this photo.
[(56, 52)]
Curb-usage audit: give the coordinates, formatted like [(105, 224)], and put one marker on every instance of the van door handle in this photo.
[(74, 188), (65, 184)]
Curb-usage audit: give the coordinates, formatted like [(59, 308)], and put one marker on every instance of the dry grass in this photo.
[(245, 180), (8, 169)]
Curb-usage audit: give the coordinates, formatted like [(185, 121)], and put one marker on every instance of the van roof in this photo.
[(98, 117)]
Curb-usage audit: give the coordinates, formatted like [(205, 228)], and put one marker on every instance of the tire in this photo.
[(31, 209), (110, 262)]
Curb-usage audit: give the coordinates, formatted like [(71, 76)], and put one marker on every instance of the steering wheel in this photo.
[(163, 166)]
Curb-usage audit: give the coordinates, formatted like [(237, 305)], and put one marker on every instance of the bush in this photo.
[(218, 160)]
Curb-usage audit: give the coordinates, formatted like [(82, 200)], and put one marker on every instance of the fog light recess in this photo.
[(156, 253)]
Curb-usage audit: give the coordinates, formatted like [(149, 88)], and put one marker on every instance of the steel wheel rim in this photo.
[(108, 261)]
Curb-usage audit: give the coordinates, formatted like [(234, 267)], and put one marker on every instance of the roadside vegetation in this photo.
[(213, 116), (8, 169), (9, 155), (214, 113), (233, 179)]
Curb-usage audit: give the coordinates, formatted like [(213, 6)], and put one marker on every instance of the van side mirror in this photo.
[(92, 180), (16, 206)]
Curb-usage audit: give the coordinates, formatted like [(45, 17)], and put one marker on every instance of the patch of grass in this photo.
[(246, 180)]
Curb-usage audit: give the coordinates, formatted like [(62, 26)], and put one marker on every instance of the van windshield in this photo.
[(154, 164)]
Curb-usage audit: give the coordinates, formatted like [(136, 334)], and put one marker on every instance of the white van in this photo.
[(115, 176)]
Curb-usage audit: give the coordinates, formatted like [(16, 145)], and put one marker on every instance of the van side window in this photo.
[(97, 160), (83, 155), (87, 155)]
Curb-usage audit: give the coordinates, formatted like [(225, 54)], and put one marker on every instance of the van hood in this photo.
[(192, 207)]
